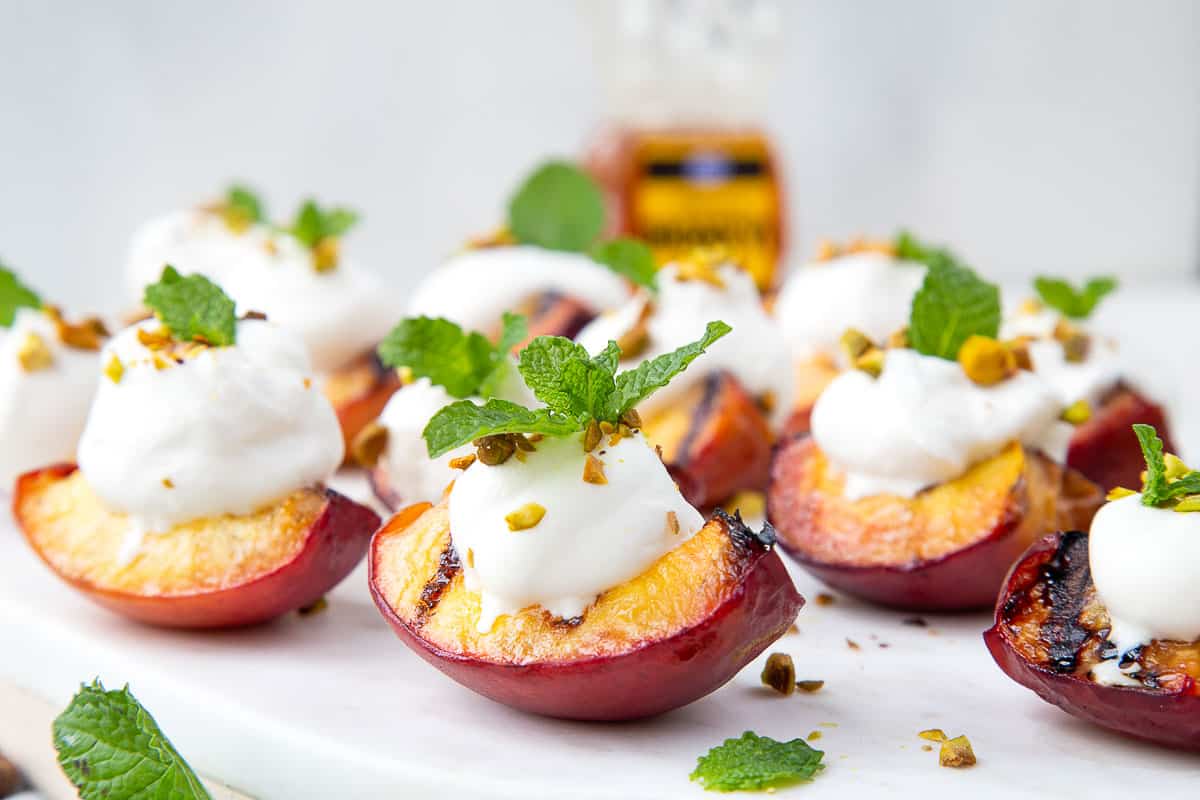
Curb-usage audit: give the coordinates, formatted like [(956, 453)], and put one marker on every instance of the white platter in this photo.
[(334, 706)]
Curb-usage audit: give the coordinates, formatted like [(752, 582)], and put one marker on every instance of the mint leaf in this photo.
[(557, 207), (313, 223), (463, 421), (1155, 482), (754, 763), (245, 204), (112, 749), (193, 308), (514, 330), (643, 380), (563, 376), (909, 248), (629, 258), (14, 295), (952, 305), (1069, 301), (440, 350)]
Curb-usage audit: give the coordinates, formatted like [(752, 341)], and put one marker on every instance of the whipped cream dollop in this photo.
[(753, 351), (1090, 379), (474, 287), (868, 291), (43, 410), (227, 431), (340, 313), (411, 472), (1145, 564), (592, 537), (924, 422)]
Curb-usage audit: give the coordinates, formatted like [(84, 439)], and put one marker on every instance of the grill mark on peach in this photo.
[(700, 415), (1067, 577), (435, 587)]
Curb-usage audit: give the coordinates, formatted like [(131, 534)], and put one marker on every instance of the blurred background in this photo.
[(1033, 135)]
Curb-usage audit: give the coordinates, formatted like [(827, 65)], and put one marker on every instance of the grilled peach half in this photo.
[(358, 393), (1051, 630), (670, 636), (1105, 447), (212, 573), (812, 376), (715, 441), (946, 549)]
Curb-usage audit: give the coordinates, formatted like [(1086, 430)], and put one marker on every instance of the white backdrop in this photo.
[(1033, 134)]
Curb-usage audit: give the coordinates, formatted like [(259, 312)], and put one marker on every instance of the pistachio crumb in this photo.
[(749, 503), (591, 436), (1189, 503), (1078, 412), (1076, 347), (470, 558), (1031, 305), (308, 383), (462, 462), (85, 335), (927, 747), (1175, 468), (810, 686), (368, 445), (779, 673), (33, 353), (933, 735), (824, 599), (701, 265), (256, 315), (593, 470), (607, 428), (898, 340), (114, 369), (494, 450), (326, 254), (168, 483), (1117, 492), (672, 523), (813, 736), (1020, 350), (871, 362), (956, 753), (525, 517), (631, 419), (794, 630), (153, 339), (986, 361), (854, 343), (853, 645)]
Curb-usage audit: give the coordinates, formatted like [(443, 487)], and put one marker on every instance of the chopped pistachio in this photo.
[(325, 254), (1117, 492), (271, 247), (933, 735), (494, 450), (631, 419), (767, 401), (813, 736), (672, 523), (525, 517), (1175, 468), (1020, 350), (155, 339), (462, 462), (1031, 305), (168, 483), (33, 353), (810, 686), (256, 315), (470, 558), (159, 362), (633, 342), (523, 444), (854, 343), (986, 361), (898, 339), (308, 383), (1078, 412), (750, 503), (607, 427), (956, 753), (926, 747), (871, 362), (780, 673), (591, 436), (827, 250), (86, 335), (368, 445), (406, 375), (1075, 348), (114, 369), (701, 265), (853, 645), (824, 599), (1189, 503), (593, 470)]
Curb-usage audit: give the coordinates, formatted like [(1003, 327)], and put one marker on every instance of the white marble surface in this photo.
[(334, 706)]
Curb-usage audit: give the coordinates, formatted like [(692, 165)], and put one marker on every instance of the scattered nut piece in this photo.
[(470, 558), (794, 630), (153, 339), (767, 401), (314, 608), (85, 335), (591, 436), (607, 428), (871, 362), (672, 523), (633, 342), (1117, 492), (259, 315), (701, 265), (33, 353), (168, 483), (525, 517), (494, 450), (1078, 412), (1031, 305), (631, 419), (1189, 503), (813, 736), (749, 503), (986, 361), (159, 362), (779, 673), (810, 686), (500, 237), (853, 645), (462, 462), (956, 753), (308, 383), (1175, 468), (927, 747), (593, 470), (368, 445), (326, 254), (854, 343), (1020, 350), (933, 735), (114, 369), (824, 599), (271, 247)]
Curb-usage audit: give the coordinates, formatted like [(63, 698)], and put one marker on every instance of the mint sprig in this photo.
[(952, 305), (464, 363), (14, 295), (630, 258), (193, 308), (112, 749), (558, 207), (576, 388), (1160, 489), (313, 223), (1069, 301), (754, 763)]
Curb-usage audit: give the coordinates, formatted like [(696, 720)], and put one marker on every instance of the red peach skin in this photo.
[(321, 536), (1048, 643), (626, 657), (1105, 447), (947, 549)]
